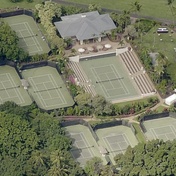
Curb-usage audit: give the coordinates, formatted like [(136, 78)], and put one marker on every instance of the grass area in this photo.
[(160, 109), (149, 7), (164, 43), (140, 136), (24, 4), (144, 100)]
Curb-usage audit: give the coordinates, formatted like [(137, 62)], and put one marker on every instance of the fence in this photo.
[(154, 116), (34, 65), (107, 125), (81, 122), (16, 12), (130, 125)]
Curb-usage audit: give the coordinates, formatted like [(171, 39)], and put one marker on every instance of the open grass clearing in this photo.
[(158, 9), (139, 135), (24, 4), (144, 100)]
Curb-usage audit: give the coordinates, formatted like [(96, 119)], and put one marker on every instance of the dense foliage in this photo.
[(9, 44), (152, 158), (33, 143)]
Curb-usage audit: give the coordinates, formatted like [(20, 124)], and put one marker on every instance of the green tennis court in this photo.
[(11, 88), (116, 139), (109, 78), (30, 37), (84, 146), (47, 88), (162, 128)]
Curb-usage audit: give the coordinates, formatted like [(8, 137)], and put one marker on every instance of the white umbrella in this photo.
[(107, 46), (81, 50), (90, 48)]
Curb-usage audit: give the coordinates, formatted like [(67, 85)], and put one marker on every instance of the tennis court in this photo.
[(30, 37), (109, 78), (11, 88), (116, 139), (84, 146), (47, 88), (163, 128)]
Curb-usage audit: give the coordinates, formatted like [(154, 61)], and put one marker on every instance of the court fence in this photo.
[(115, 123), (40, 64), (17, 12), (155, 116), (81, 122)]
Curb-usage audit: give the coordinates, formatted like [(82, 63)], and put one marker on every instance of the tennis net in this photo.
[(43, 90), (29, 36), (107, 80), (82, 148), (7, 88)]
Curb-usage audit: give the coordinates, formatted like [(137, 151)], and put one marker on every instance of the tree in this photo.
[(93, 167), (94, 7), (152, 158), (171, 7), (9, 48), (130, 32), (17, 139)]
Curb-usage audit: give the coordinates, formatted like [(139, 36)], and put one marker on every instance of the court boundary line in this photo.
[(156, 136), (108, 143), (86, 143), (39, 94), (15, 89), (34, 38), (114, 71)]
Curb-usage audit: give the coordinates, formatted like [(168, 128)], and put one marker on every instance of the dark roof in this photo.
[(84, 26)]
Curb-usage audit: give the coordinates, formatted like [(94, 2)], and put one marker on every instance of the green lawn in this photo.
[(164, 43), (160, 109), (139, 135), (23, 4), (144, 100), (158, 9)]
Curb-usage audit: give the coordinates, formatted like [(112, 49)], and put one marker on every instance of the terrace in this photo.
[(92, 48)]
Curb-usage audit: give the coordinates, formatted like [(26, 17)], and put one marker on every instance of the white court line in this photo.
[(172, 129), (16, 24), (96, 77), (121, 82), (38, 95), (86, 144), (155, 136), (28, 28), (35, 41), (104, 89), (127, 139), (16, 90), (46, 75), (50, 77), (108, 145), (47, 91), (60, 94)]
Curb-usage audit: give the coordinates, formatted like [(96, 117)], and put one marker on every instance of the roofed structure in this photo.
[(85, 26)]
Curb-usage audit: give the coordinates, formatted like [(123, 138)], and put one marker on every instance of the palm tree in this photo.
[(38, 158), (170, 4), (56, 171), (121, 43), (136, 7)]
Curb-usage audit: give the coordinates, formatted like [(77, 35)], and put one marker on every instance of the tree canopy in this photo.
[(33, 143), (9, 48), (152, 158)]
